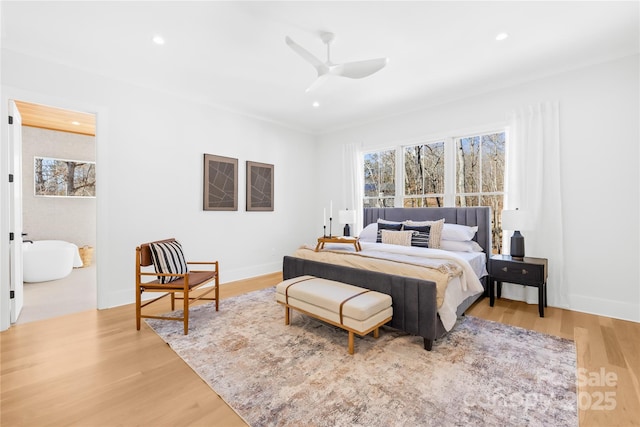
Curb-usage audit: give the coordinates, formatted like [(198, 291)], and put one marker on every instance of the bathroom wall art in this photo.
[(64, 178)]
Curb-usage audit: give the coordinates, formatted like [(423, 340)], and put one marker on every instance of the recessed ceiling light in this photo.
[(157, 39), (315, 104), (502, 36), (75, 123)]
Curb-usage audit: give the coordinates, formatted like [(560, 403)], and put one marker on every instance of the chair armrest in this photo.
[(212, 263)]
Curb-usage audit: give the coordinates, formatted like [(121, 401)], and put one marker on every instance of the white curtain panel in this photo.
[(532, 184), (353, 189)]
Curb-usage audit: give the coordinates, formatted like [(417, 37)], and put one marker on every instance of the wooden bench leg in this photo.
[(376, 332), (286, 315), (350, 342)]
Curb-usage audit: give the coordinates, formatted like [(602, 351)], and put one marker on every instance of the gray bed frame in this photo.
[(414, 300)]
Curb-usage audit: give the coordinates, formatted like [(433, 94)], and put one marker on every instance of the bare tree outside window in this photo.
[(64, 178), (424, 175), (480, 167), (380, 179)]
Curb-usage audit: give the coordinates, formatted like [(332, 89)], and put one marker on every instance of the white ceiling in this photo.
[(233, 54)]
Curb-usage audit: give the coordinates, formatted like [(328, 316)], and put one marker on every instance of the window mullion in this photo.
[(449, 172), (398, 201)]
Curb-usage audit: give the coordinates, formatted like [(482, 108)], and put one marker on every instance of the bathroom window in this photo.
[(64, 178)]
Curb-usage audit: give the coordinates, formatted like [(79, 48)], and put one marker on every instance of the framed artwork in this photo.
[(64, 178), (220, 183), (259, 186)]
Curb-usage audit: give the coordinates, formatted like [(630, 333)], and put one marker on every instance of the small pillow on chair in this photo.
[(168, 258)]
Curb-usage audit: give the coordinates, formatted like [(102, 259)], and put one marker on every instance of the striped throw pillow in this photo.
[(420, 239), (168, 258), (420, 236), (397, 226), (435, 232)]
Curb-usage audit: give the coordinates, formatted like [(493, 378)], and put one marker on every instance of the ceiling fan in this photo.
[(352, 70)]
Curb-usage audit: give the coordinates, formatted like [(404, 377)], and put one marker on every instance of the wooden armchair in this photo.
[(167, 257)]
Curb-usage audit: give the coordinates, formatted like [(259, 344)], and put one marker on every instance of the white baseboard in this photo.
[(603, 307), (118, 298)]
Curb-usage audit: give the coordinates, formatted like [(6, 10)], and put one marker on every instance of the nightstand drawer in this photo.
[(507, 271)]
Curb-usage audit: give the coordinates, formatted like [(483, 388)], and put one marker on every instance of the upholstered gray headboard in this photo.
[(472, 216)]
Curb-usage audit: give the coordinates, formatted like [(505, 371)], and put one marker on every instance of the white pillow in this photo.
[(369, 233), (435, 234), (458, 232), (456, 246)]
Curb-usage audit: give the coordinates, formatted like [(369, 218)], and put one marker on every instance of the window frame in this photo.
[(450, 158), (479, 193), (380, 150)]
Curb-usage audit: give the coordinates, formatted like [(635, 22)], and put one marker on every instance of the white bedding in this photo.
[(477, 260), (455, 294), (472, 264)]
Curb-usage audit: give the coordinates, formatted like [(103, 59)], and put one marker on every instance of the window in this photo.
[(424, 175), (454, 171), (480, 176), (64, 178), (380, 179)]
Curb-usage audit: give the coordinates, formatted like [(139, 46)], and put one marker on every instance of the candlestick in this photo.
[(330, 219), (324, 231)]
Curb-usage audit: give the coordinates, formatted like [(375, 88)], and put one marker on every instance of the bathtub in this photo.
[(45, 260)]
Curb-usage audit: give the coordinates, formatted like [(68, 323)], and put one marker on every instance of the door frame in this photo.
[(14, 145), (11, 93)]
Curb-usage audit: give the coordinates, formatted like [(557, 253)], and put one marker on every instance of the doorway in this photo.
[(56, 135)]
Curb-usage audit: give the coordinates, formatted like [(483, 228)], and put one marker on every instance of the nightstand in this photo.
[(526, 271)]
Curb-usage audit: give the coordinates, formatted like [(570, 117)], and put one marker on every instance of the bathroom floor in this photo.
[(76, 292)]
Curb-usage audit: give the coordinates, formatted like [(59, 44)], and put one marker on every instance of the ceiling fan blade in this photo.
[(318, 82), (360, 69), (304, 53)]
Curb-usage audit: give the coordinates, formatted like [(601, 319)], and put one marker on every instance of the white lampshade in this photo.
[(515, 220), (347, 217)]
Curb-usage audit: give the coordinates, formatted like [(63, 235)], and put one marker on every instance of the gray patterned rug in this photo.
[(482, 373)]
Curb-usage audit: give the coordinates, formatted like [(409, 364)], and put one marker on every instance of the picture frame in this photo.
[(260, 186), (53, 177), (220, 189)]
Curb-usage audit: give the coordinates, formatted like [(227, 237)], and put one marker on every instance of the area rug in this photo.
[(482, 373)]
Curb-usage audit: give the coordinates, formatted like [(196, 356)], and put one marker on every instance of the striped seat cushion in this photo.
[(168, 258)]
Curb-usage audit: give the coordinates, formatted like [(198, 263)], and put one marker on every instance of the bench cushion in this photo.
[(323, 298)]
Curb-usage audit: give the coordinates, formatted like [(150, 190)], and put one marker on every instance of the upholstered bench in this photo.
[(355, 309)]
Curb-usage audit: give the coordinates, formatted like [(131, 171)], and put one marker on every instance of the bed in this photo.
[(416, 306)]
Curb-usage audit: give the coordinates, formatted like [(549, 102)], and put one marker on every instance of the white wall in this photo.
[(599, 136), (150, 148)]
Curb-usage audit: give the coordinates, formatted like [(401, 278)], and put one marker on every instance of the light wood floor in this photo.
[(94, 369)]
